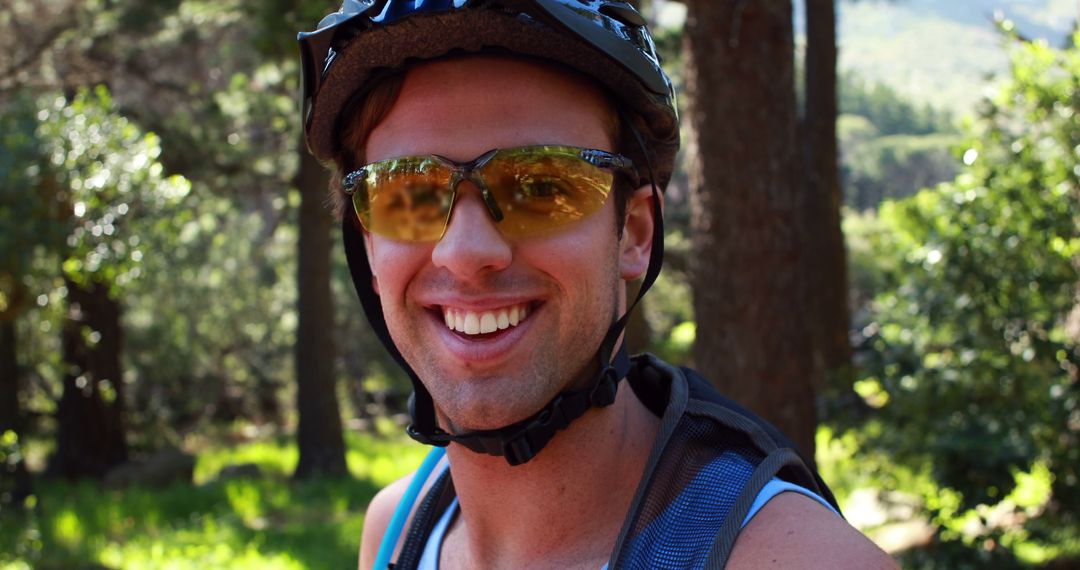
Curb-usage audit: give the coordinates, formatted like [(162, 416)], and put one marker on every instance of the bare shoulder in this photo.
[(794, 531), (379, 512)]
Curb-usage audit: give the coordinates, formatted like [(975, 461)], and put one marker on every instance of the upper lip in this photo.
[(478, 303)]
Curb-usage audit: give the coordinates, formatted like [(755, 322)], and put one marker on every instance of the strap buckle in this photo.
[(439, 438), (603, 394), (517, 449)]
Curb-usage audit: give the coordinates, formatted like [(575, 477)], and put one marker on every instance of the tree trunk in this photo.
[(15, 482), (825, 239), (90, 416), (319, 434), (9, 377), (750, 292)]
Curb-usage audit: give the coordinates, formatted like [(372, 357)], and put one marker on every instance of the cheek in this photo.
[(583, 259), (392, 265)]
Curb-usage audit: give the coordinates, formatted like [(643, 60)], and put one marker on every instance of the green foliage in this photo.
[(11, 461), (669, 307), (241, 523), (895, 166), (233, 350), (209, 324), (890, 113), (968, 364), (110, 186), (87, 200), (890, 148), (28, 213)]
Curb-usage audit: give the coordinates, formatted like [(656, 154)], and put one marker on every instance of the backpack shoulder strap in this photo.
[(800, 473), (709, 463), (729, 531), (435, 503)]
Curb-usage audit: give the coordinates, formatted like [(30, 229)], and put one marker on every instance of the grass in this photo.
[(266, 523)]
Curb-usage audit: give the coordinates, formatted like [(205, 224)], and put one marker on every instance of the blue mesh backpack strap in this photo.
[(438, 499), (710, 460), (801, 474)]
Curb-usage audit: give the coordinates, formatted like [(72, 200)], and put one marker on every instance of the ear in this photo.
[(636, 243), (369, 249)]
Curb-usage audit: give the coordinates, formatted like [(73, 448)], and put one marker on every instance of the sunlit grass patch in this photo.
[(382, 461), (179, 555), (267, 522), (275, 457), (379, 459)]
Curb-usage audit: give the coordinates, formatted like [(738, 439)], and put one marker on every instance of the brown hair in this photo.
[(365, 110), (362, 113)]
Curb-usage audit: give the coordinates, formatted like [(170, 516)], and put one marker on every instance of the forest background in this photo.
[(186, 380)]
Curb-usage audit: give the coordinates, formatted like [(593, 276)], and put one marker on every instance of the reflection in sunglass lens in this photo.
[(540, 191), (407, 199)]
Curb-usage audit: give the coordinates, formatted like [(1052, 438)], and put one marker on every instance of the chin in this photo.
[(488, 412)]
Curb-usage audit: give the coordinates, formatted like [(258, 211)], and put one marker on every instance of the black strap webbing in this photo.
[(520, 442), (433, 506)]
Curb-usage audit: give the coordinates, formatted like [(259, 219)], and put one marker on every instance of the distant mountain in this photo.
[(940, 51)]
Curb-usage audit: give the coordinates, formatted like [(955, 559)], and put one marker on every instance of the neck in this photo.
[(564, 508)]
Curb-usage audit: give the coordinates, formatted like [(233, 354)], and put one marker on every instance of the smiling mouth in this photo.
[(474, 323)]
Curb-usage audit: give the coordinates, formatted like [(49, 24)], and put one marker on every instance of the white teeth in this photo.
[(472, 323), (487, 323)]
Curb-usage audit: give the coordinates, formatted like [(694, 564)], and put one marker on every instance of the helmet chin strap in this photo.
[(519, 442)]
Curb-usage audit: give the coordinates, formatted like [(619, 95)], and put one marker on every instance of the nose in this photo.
[(471, 245)]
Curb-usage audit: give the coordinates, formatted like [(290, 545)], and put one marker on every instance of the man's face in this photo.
[(566, 283)]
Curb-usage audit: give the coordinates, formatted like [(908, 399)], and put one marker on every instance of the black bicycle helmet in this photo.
[(604, 39)]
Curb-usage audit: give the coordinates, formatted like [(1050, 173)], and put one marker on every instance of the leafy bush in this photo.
[(968, 359)]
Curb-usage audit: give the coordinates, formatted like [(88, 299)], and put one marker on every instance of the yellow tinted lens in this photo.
[(406, 199), (541, 188)]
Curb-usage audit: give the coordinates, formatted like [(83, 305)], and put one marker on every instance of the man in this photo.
[(499, 167)]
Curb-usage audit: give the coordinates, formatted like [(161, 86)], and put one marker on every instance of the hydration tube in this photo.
[(401, 514)]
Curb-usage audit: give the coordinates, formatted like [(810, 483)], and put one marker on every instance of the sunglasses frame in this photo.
[(465, 170)]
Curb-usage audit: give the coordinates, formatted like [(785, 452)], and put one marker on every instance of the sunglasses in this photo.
[(527, 190)]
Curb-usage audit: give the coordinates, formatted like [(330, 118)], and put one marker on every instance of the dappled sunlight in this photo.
[(185, 549), (382, 462), (266, 522), (67, 529), (275, 457)]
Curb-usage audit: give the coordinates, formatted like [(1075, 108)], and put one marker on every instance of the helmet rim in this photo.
[(356, 63)]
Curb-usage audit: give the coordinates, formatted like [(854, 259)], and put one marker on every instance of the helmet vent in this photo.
[(623, 12)]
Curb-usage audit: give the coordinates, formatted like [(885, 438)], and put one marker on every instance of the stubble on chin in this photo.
[(485, 403)]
